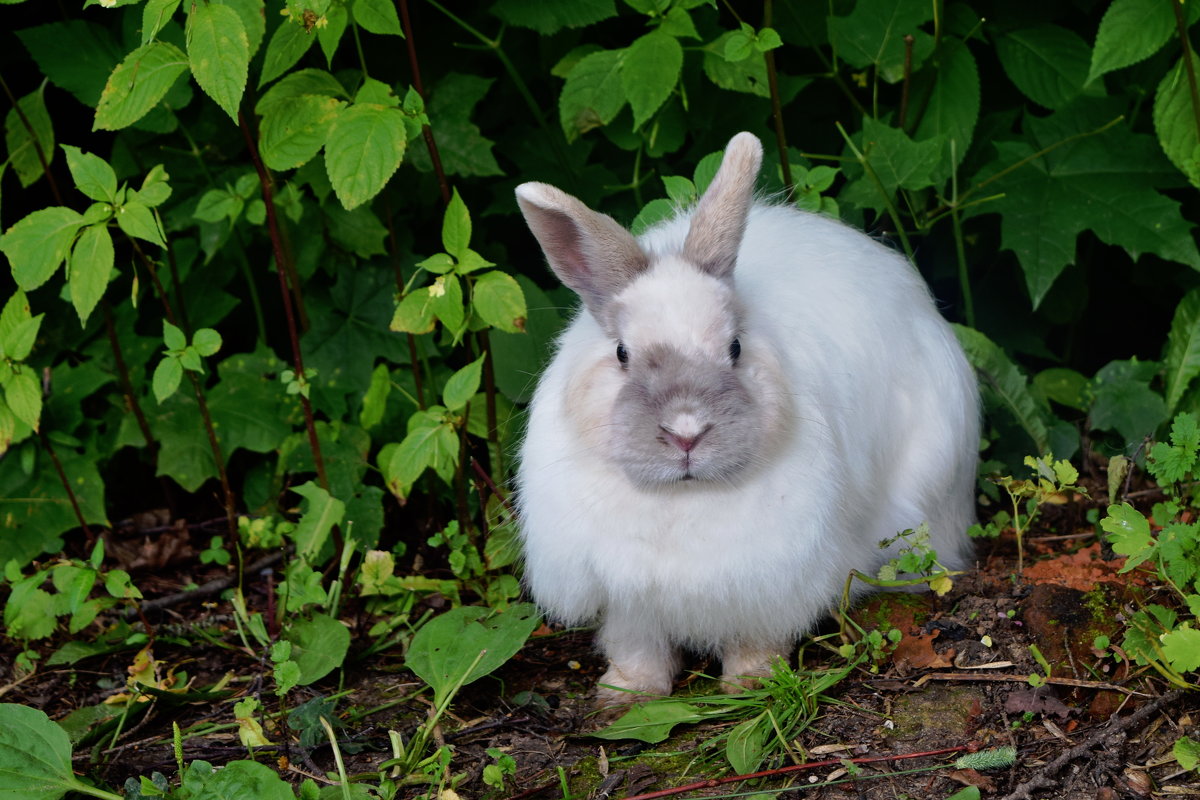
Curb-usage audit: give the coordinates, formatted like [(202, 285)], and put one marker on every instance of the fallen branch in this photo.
[(214, 586), (1072, 682)]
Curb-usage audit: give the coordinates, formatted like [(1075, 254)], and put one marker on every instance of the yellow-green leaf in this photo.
[(137, 84), (219, 54), (364, 147)]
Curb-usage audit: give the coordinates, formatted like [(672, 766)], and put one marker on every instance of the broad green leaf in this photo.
[(1129, 534), (456, 226), (651, 721), (35, 507), (950, 81), (1182, 361), (1182, 649), (298, 83), (446, 300), (249, 405), (75, 56), (358, 231), (375, 400), (206, 341), (748, 75), (23, 147), (167, 376), (1175, 120), (649, 73), (897, 161), (463, 385), (92, 174), (155, 15), (1048, 63), (363, 149), (137, 85), (90, 267), (422, 448), (747, 743), (155, 190), (414, 313), (330, 35), (377, 16), (1187, 752), (1130, 31), (1002, 377), (319, 646), (498, 300), (219, 54), (19, 342), (293, 132), (593, 94), (35, 756), (463, 149), (218, 204), (466, 643), (288, 43), (136, 219), (547, 18), (1124, 401), (254, 21), (873, 33), (243, 779), (1065, 386), (37, 244), (23, 393), (321, 513)]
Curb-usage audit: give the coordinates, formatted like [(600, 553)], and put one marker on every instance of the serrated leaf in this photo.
[(364, 147), (136, 219), (463, 385), (498, 300), (1002, 376), (254, 20), (37, 244), (219, 54), (1175, 120), (748, 75), (1129, 533), (950, 81), (1182, 361), (378, 16), (21, 337), (1048, 63), (593, 93), (90, 267), (547, 18), (288, 43), (218, 204), (337, 18), (23, 147), (137, 84), (456, 226), (321, 513), (414, 314), (293, 132), (649, 73), (1186, 752), (92, 174), (173, 337), (298, 83), (873, 33), (422, 448), (1130, 31), (464, 149), (446, 300), (155, 15), (167, 376), (24, 396), (899, 162), (1182, 649)]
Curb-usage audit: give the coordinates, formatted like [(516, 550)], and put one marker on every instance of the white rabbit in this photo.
[(751, 398)]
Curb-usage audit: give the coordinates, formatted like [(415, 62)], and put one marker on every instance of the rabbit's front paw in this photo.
[(743, 667)]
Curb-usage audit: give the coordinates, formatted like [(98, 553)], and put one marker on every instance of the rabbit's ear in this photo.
[(588, 251), (720, 220)]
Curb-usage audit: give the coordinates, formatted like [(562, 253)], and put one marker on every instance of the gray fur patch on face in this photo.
[(682, 417)]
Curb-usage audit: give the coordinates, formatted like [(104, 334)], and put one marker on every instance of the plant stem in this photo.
[(908, 51), (126, 383), (777, 105), (426, 130), (37, 145), (887, 200), (310, 424), (62, 476), (960, 250), (1188, 65)]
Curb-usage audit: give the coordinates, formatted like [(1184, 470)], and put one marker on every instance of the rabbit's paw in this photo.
[(744, 667)]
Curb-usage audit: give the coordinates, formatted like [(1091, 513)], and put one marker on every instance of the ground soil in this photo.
[(1099, 728)]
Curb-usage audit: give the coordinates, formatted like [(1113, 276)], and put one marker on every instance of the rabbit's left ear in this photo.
[(720, 220)]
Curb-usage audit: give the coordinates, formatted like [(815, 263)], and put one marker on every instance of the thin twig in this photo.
[(777, 105), (1188, 66), (426, 131), (37, 145), (215, 586), (993, 678)]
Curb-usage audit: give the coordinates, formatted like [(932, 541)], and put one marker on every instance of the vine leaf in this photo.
[(219, 54), (137, 84)]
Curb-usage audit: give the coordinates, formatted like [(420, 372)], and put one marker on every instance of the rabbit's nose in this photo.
[(684, 437)]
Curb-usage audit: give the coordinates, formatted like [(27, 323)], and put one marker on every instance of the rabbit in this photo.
[(750, 399)]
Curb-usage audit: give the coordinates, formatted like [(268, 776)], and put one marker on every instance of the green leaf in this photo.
[(446, 300), (649, 73), (456, 226), (249, 405), (463, 149), (35, 756), (1187, 752), (337, 18), (463, 385), (155, 190), (90, 266), (167, 376), (414, 313), (1130, 31), (289, 42), (425, 446), (1129, 533), (466, 643), (137, 220), (137, 85), (1065, 386), (1010, 387), (253, 20), (593, 93), (1175, 120), (358, 231), (23, 394), (219, 54), (218, 204), (18, 328), (37, 244), (950, 81), (651, 721), (363, 149), (873, 33), (1182, 649), (1182, 360), (748, 75), (746, 744), (75, 56), (296, 84), (92, 174), (155, 15), (378, 16), (547, 18), (498, 300), (22, 147), (206, 341), (319, 646), (1048, 63), (897, 161), (375, 400), (294, 131), (1124, 401), (321, 513), (36, 508), (241, 779)]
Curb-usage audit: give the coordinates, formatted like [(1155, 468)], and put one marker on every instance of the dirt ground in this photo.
[(1099, 728)]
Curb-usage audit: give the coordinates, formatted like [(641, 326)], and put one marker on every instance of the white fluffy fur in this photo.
[(871, 410)]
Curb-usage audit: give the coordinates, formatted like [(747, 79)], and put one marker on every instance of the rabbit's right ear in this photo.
[(588, 251)]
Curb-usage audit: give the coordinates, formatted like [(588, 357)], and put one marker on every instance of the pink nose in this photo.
[(684, 443)]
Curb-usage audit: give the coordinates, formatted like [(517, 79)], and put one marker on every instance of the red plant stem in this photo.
[(62, 476), (491, 484), (908, 51), (37, 146), (777, 105), (426, 131), (126, 383), (832, 762), (264, 180), (1185, 43)]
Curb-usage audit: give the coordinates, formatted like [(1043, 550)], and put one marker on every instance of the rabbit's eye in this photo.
[(735, 349), (622, 353)]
